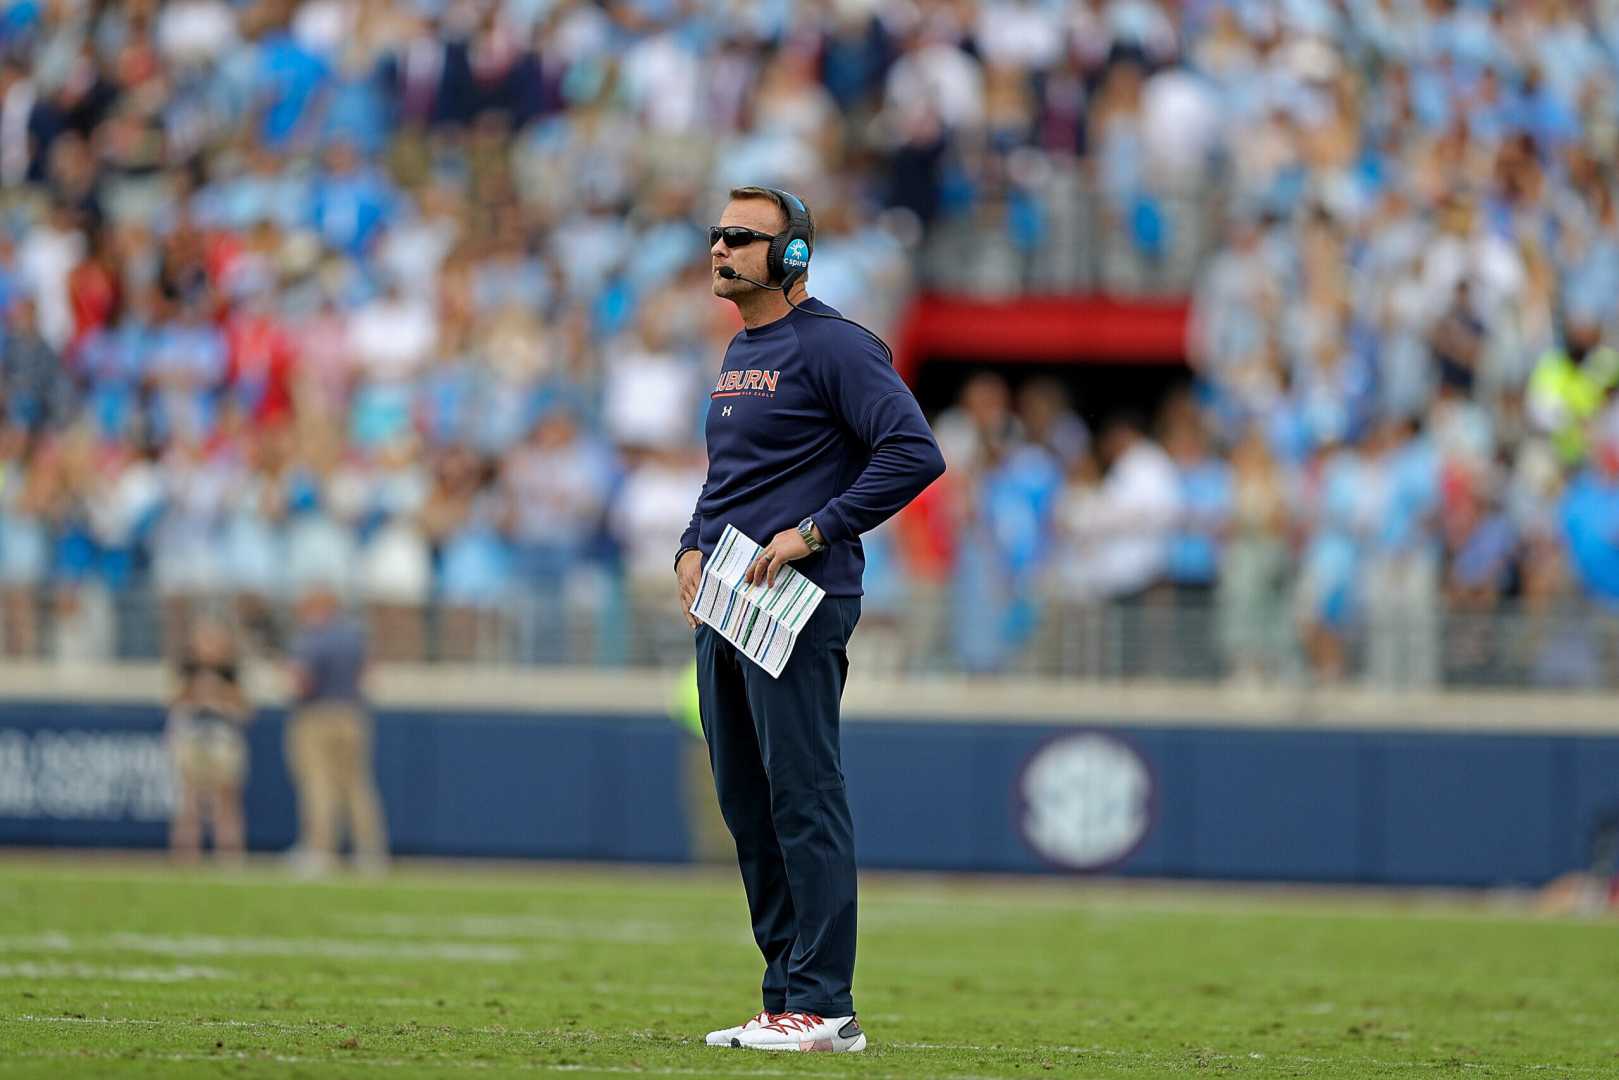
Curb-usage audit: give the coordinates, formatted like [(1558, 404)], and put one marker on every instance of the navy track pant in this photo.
[(773, 744)]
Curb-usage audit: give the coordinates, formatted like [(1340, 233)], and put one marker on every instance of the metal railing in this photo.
[(1078, 239), (1164, 638)]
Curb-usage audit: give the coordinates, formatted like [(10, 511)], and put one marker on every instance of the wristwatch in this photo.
[(806, 529)]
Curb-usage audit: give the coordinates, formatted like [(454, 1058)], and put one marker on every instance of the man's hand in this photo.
[(785, 547), (689, 572)]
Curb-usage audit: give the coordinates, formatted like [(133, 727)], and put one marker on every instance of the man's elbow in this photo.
[(932, 464)]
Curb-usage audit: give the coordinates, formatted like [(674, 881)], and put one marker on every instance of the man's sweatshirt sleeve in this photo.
[(694, 530), (867, 393)]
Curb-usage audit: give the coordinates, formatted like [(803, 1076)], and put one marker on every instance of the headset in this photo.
[(788, 259), (789, 253)]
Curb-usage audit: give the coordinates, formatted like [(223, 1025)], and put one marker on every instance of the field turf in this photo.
[(128, 968)]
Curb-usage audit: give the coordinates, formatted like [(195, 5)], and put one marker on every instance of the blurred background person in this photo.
[(1201, 531), (1251, 598), (329, 740), (206, 735)]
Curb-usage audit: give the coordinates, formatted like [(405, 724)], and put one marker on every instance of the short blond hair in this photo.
[(775, 196)]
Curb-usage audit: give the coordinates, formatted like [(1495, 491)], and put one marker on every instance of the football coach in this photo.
[(813, 439)]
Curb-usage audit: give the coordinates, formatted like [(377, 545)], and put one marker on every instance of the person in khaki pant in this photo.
[(329, 740)]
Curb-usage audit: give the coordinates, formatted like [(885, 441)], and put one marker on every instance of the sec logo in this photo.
[(1086, 801)]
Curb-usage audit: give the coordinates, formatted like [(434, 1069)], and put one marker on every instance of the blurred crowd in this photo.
[(1404, 422), (410, 298)]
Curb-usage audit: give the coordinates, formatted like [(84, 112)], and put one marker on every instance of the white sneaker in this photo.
[(724, 1036), (804, 1031), (308, 865)]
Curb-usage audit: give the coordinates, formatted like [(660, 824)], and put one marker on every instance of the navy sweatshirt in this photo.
[(808, 419)]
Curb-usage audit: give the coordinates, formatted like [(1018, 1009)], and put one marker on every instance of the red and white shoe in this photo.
[(723, 1036), (804, 1031)]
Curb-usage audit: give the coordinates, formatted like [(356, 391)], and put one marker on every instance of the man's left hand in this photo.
[(785, 547)]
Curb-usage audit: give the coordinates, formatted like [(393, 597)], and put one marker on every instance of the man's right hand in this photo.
[(689, 572)]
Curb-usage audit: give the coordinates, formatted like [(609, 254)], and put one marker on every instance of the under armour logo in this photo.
[(727, 411)]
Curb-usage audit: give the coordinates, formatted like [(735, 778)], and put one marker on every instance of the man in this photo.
[(812, 440), (1132, 520), (34, 383), (329, 740), (206, 735)]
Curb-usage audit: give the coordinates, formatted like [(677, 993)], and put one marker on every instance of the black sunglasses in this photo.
[(735, 236)]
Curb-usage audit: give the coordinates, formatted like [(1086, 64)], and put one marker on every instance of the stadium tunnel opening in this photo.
[(1097, 390)]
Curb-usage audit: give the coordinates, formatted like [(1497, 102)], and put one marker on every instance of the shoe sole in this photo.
[(809, 1046)]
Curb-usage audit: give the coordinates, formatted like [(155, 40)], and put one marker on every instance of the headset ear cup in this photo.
[(773, 263)]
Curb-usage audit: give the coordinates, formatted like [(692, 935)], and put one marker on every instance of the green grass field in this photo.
[(127, 968)]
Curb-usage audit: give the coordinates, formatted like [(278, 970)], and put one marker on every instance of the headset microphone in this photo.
[(729, 273)]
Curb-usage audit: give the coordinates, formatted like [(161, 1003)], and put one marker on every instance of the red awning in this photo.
[(1042, 329)]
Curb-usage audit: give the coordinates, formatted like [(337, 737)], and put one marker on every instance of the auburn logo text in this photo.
[(751, 381)]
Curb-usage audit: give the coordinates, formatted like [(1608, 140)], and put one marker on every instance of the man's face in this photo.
[(1117, 439), (748, 261)]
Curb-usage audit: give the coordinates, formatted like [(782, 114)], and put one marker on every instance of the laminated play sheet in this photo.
[(761, 622)]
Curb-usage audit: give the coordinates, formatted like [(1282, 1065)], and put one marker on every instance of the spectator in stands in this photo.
[(252, 548), (661, 484), (196, 488), (1398, 510), (982, 418), (25, 495), (1114, 530), (1051, 422), (329, 741), (1483, 545), (29, 126), (206, 736), (475, 562), (396, 571), (556, 488), (1004, 539), (1591, 524), (1202, 523), (1252, 594), (1326, 599), (1132, 519), (38, 391)]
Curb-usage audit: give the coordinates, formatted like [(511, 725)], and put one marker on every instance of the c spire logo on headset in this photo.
[(796, 255)]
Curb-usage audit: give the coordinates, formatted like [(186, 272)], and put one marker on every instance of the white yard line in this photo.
[(305, 1028), (551, 927), (177, 973), (218, 945)]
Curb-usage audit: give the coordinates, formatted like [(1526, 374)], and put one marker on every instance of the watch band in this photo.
[(806, 529)]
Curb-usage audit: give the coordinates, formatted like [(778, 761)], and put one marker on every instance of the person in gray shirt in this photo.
[(329, 739)]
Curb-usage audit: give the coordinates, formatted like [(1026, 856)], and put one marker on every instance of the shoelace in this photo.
[(794, 1021)]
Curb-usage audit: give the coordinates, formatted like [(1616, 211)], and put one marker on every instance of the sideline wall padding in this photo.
[(1164, 801)]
